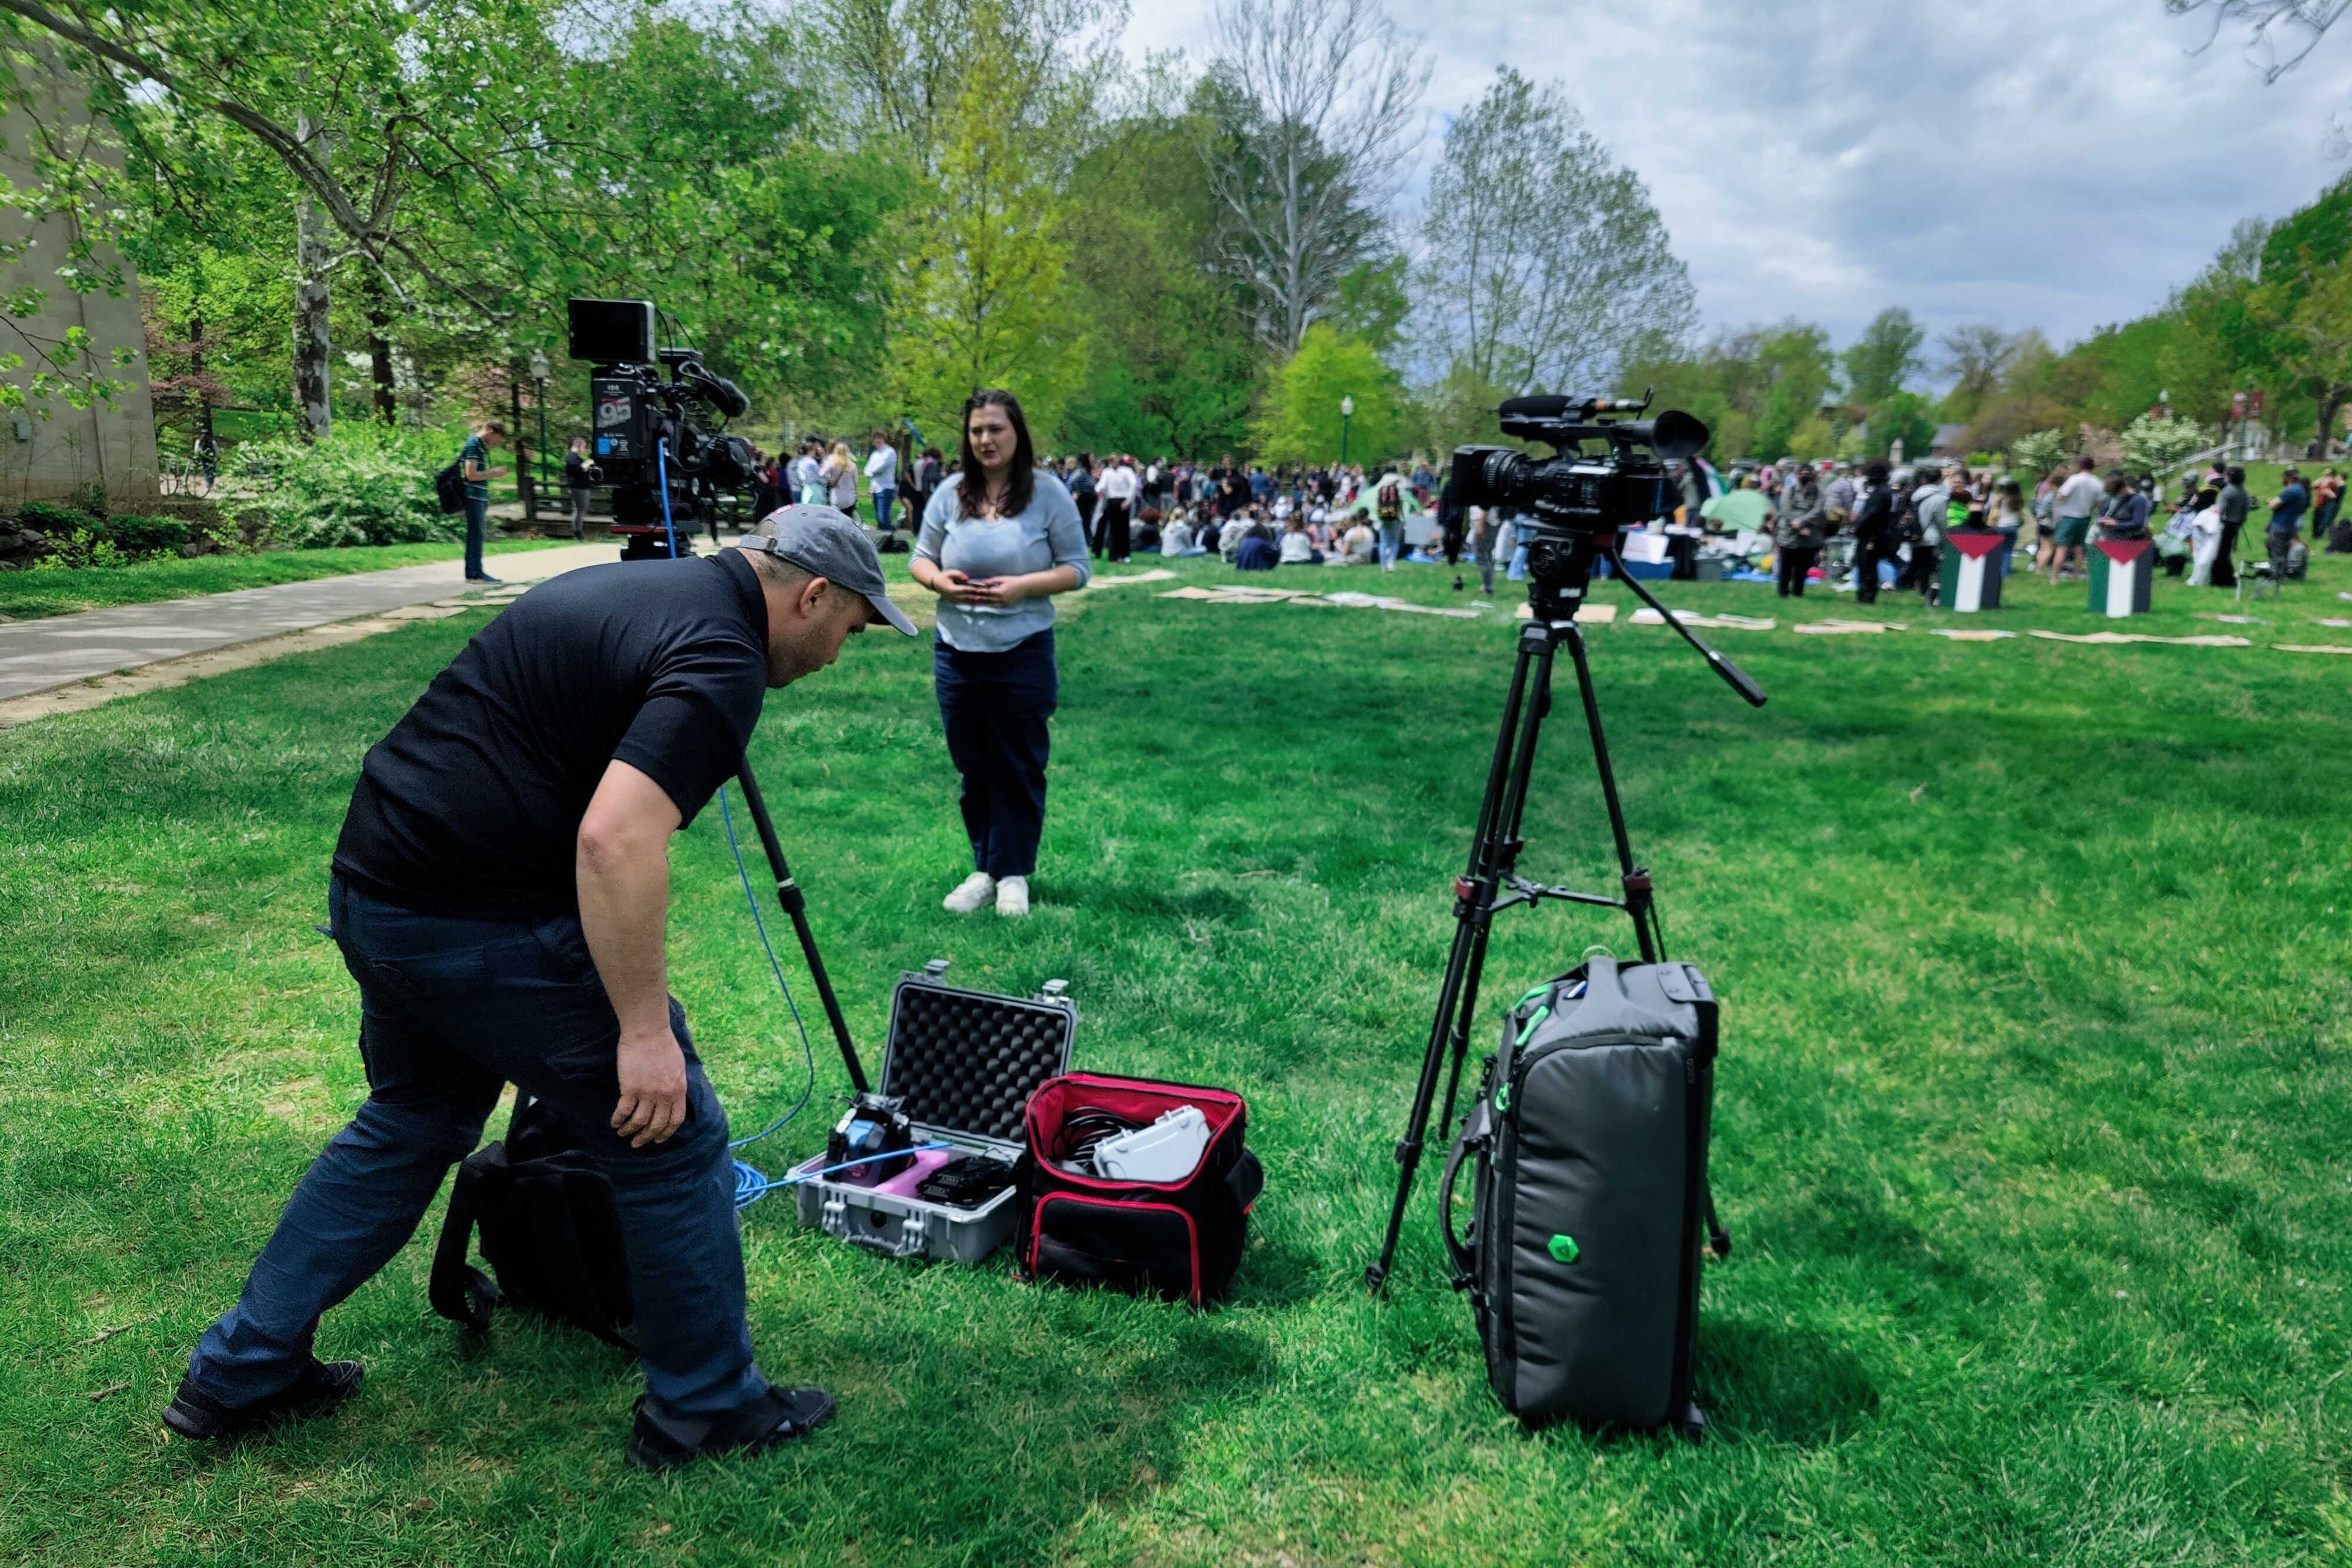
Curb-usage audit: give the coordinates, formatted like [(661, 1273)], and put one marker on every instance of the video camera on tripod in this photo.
[(1587, 1131), (646, 439)]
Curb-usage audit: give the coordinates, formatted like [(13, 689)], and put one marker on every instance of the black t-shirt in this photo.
[(472, 804)]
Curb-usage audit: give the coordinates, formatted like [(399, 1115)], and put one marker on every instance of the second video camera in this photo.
[(652, 435)]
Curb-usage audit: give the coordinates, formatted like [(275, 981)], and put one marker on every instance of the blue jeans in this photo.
[(478, 513), (450, 1009), (1391, 541), (995, 707), (884, 501), (2007, 548)]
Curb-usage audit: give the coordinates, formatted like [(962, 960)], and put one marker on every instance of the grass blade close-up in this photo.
[(2030, 1122)]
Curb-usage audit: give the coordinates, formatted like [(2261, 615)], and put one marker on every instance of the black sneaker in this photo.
[(486, 577), (320, 1390), (775, 1418)]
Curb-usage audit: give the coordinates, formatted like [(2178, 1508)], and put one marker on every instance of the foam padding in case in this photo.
[(969, 1061)]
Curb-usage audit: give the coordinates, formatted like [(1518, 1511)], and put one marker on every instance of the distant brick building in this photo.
[(108, 446)]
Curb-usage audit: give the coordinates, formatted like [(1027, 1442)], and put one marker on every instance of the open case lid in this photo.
[(967, 1061)]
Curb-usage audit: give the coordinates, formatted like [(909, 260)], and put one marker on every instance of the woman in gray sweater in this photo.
[(999, 538)]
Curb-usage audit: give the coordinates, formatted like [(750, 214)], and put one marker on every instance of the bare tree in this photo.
[(2280, 34), (1976, 356), (1312, 102), (1545, 259)]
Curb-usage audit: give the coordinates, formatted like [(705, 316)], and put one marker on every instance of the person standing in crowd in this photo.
[(808, 487), (999, 540), (1086, 496), (2077, 501), (1838, 496), (2126, 513), (839, 476), (2287, 508), (1484, 523), (474, 467), (2327, 500), (1798, 535), (1116, 489), (2234, 506), (2045, 501), (882, 481), (1931, 510), (580, 478), (2204, 535), (1387, 506), (1873, 533), (924, 478), (2007, 517)]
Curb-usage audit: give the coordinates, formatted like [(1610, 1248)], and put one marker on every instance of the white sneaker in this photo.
[(1012, 897), (970, 894)]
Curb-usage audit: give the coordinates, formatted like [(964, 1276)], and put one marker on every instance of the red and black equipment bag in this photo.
[(1180, 1239)]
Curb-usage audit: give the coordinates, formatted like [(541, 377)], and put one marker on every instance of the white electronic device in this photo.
[(1168, 1150)]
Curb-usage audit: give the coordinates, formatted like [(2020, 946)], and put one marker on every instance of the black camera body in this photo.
[(657, 439), (1575, 491)]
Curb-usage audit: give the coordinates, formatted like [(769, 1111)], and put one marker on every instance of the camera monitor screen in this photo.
[(613, 332)]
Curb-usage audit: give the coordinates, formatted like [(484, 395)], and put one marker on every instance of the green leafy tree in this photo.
[(1885, 358), (2038, 453), (1301, 422), (2155, 444), (988, 302), (1795, 371), (1903, 417), (2313, 335)]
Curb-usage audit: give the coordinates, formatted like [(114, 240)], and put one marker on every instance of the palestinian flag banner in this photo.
[(2121, 571), (1970, 571)]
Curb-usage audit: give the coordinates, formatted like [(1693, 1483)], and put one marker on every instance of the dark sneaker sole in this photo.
[(201, 1426), (647, 1459)]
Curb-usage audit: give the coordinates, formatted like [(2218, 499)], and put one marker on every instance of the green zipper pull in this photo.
[(1503, 1098), (1563, 1249)]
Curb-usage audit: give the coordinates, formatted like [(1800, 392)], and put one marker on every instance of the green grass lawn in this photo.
[(2031, 1125), (25, 595)]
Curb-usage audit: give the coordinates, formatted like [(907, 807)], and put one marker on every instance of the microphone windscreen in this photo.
[(1550, 405)]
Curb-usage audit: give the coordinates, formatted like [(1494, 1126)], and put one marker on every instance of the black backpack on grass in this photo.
[(550, 1232), (1588, 1137)]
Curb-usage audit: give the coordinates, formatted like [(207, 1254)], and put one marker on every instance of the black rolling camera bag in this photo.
[(549, 1229), (1177, 1239), (1589, 1138)]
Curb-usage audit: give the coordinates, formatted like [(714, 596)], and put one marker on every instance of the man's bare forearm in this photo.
[(623, 882)]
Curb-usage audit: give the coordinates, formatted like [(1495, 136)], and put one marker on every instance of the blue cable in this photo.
[(750, 1187), (750, 1184)]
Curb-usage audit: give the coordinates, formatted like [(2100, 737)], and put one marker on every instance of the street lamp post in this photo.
[(1347, 413), (539, 368)]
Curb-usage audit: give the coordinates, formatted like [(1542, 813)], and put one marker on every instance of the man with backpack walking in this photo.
[(500, 893)]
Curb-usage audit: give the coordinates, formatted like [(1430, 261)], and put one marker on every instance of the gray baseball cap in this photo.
[(825, 543)]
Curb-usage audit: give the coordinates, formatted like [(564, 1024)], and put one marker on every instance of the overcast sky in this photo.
[(2060, 164)]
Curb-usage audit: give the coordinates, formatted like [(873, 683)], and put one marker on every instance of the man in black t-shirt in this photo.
[(499, 893)]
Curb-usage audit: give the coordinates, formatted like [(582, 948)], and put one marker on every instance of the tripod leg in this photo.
[(1636, 880), (1492, 857), (1474, 904), (795, 908)]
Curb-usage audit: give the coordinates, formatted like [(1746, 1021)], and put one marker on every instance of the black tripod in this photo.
[(795, 908), (1560, 571)]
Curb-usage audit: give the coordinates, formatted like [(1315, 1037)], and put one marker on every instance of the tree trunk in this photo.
[(312, 345), (196, 368), (529, 491), (2330, 401), (379, 344)]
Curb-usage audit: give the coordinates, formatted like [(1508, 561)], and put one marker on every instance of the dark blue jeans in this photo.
[(478, 513), (995, 707), (884, 501), (450, 1010)]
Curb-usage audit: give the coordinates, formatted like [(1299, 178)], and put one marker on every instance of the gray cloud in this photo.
[(2057, 163)]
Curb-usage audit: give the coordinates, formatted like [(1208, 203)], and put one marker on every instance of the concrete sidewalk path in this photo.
[(60, 650)]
